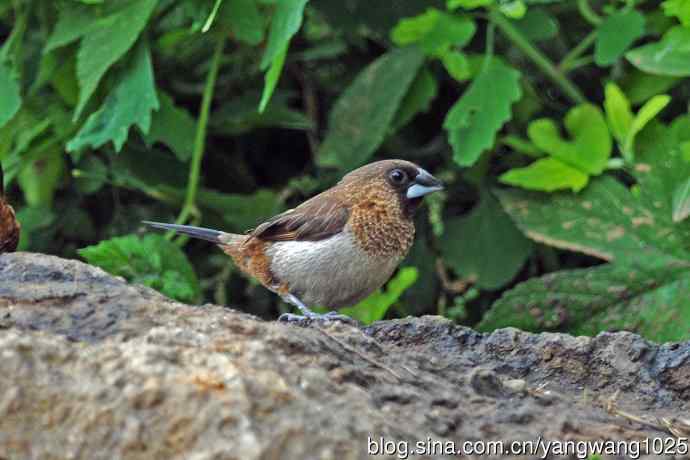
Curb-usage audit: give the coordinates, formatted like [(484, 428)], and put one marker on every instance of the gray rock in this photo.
[(94, 368)]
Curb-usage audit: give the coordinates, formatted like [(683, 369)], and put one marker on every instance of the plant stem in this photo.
[(539, 59), (577, 63), (576, 52), (588, 13), (189, 206)]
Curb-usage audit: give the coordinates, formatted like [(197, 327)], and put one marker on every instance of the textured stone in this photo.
[(94, 368)]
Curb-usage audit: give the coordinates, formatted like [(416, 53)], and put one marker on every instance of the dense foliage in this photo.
[(560, 127)]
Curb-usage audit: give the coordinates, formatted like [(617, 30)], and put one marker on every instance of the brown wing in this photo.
[(313, 220), (9, 226)]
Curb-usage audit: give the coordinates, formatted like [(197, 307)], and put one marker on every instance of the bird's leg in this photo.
[(310, 315)]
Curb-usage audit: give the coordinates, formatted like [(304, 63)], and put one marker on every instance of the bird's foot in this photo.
[(316, 317)]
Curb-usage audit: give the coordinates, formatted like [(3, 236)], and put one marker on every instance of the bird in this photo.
[(337, 247), (9, 225)]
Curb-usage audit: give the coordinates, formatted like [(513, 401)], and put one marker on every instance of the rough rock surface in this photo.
[(94, 368)]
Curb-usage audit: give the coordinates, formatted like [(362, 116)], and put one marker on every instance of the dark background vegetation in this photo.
[(560, 128)]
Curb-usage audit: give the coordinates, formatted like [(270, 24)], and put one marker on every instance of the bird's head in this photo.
[(400, 180)]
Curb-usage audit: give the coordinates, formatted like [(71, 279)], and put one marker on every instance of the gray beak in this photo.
[(423, 184)]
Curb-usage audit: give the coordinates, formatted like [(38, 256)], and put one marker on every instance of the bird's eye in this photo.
[(397, 177)]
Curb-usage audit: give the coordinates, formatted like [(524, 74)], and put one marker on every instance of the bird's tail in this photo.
[(201, 233)]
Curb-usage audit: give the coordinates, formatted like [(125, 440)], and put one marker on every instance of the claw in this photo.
[(308, 319)]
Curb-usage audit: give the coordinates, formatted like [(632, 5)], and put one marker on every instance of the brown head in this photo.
[(397, 181)]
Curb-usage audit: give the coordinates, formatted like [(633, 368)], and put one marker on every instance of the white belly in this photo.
[(333, 272)]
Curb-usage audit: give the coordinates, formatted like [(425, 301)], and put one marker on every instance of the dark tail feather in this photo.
[(195, 232)]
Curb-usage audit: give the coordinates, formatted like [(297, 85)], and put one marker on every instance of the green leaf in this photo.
[(239, 115), (152, 261), (435, 31), (649, 111), (679, 9), (546, 175), (129, 103), (39, 179), (590, 147), (285, 23), (681, 201), (174, 127), (537, 25), (105, 42), (647, 296), (241, 212), (618, 112), (640, 86), (615, 34), (660, 168), (514, 9), (418, 98), (362, 115), (605, 220), (485, 245), (9, 95), (669, 56), (474, 120), (35, 221), (374, 307), (74, 21), (644, 116), (456, 65), (91, 174), (467, 4), (244, 19), (271, 78)]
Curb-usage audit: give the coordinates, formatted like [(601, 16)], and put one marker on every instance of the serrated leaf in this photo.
[(9, 95), (244, 19), (174, 127), (647, 296), (605, 220), (679, 9), (129, 103), (590, 146), (152, 261), (73, 22), (474, 120), (669, 56), (418, 98), (434, 31), (485, 245), (362, 115), (546, 175), (374, 307), (681, 202), (105, 42), (285, 23), (618, 111), (615, 35)]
